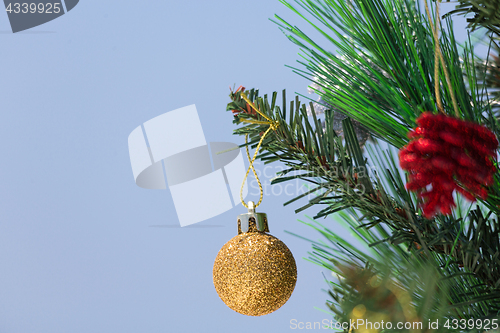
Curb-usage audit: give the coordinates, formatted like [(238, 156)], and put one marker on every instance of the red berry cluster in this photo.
[(449, 154)]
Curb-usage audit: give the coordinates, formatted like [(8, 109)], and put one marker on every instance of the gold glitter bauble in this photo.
[(254, 273)]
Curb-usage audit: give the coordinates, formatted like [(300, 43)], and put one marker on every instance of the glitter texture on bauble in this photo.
[(254, 273)]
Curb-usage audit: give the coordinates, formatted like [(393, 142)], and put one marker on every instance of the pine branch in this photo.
[(367, 280), (384, 77), (486, 14), (315, 156), (488, 76)]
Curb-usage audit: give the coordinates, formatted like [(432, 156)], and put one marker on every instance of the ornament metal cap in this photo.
[(252, 221)]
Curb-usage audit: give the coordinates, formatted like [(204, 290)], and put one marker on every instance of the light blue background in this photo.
[(82, 248)]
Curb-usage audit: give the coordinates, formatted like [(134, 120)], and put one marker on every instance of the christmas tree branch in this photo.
[(340, 173), (365, 277), (486, 14), (384, 78)]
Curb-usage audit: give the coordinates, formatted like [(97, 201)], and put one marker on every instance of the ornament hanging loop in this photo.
[(273, 125), (439, 57)]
